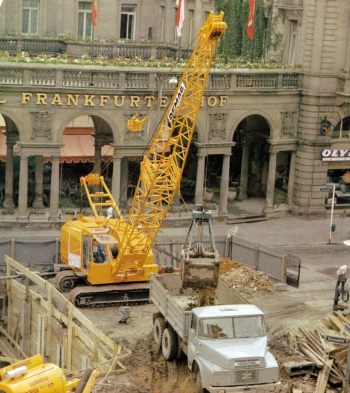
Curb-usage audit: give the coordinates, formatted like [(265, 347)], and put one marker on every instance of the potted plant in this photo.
[(208, 194), (232, 193)]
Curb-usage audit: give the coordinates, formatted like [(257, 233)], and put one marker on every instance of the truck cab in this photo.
[(228, 348)]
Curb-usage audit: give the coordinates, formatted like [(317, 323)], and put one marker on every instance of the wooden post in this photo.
[(49, 324), (95, 350), (8, 290), (27, 308), (70, 338), (346, 381)]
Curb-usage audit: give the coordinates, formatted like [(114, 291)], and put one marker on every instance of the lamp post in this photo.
[(331, 222)]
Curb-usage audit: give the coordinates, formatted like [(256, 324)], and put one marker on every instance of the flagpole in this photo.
[(179, 50), (92, 40), (253, 39)]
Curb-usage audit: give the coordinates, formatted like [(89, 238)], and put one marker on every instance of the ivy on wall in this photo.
[(236, 42)]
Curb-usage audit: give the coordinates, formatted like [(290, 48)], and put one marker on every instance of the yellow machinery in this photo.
[(125, 244), (32, 375)]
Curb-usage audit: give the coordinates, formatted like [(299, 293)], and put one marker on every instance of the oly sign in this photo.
[(336, 155)]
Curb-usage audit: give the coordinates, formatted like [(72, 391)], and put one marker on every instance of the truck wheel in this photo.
[(199, 387), (169, 344), (180, 355), (158, 329)]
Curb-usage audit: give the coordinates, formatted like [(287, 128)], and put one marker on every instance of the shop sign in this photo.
[(336, 339), (331, 200), (336, 155)]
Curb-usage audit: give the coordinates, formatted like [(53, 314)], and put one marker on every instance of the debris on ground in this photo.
[(245, 279)]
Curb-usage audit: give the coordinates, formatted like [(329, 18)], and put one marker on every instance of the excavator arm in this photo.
[(163, 165)]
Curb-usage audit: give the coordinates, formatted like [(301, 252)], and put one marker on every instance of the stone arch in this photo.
[(61, 126), (249, 163), (269, 120)]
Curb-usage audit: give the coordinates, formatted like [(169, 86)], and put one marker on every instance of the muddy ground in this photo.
[(147, 371)]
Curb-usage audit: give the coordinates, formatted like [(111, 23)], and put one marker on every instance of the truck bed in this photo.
[(175, 303)]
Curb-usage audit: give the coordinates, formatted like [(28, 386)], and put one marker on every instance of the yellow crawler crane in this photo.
[(33, 376), (128, 260)]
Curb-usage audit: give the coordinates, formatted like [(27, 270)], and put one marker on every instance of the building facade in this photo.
[(285, 128)]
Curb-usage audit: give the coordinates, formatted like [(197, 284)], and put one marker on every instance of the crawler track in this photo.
[(110, 295), (83, 295)]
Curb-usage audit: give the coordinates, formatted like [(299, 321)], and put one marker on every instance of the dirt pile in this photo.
[(245, 279)]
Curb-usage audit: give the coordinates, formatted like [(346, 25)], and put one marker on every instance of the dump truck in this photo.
[(202, 317), (32, 375), (226, 344)]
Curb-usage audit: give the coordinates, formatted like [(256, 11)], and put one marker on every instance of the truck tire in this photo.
[(158, 329), (199, 387), (180, 355), (169, 344)]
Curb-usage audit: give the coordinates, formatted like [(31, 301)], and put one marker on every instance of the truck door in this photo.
[(192, 340), (74, 247)]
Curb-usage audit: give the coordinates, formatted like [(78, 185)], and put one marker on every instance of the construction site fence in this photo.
[(277, 265)]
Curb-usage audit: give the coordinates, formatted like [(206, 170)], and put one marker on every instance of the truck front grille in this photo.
[(246, 377)]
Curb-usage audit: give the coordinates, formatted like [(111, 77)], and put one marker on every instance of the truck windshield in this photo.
[(238, 327)]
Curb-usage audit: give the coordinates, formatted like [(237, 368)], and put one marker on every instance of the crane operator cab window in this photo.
[(98, 252)]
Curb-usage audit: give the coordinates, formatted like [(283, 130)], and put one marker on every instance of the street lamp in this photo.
[(331, 222)]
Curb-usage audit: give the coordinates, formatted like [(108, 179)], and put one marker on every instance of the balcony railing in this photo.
[(54, 47), (110, 77)]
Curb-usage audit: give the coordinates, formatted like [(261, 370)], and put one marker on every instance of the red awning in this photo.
[(78, 147)]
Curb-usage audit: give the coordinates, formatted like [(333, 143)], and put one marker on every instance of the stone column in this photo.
[(98, 158), (38, 198), (23, 189), (200, 178), (8, 202), (291, 178), (243, 184), (225, 174), (124, 176), (55, 186), (270, 189), (116, 178)]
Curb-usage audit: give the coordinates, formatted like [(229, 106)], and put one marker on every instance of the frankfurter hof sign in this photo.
[(91, 100), (336, 155)]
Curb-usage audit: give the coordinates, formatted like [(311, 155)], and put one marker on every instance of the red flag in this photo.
[(180, 15), (250, 28), (94, 13)]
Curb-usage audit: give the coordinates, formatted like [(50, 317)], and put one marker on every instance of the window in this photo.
[(238, 327), (162, 23), (191, 27), (84, 19), (30, 16), (293, 41), (127, 22)]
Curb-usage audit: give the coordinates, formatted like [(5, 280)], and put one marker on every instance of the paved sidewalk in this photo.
[(288, 231)]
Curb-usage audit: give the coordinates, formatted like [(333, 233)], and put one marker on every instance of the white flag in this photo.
[(180, 16)]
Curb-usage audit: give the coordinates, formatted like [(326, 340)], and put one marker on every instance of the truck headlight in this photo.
[(221, 391), (272, 388)]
